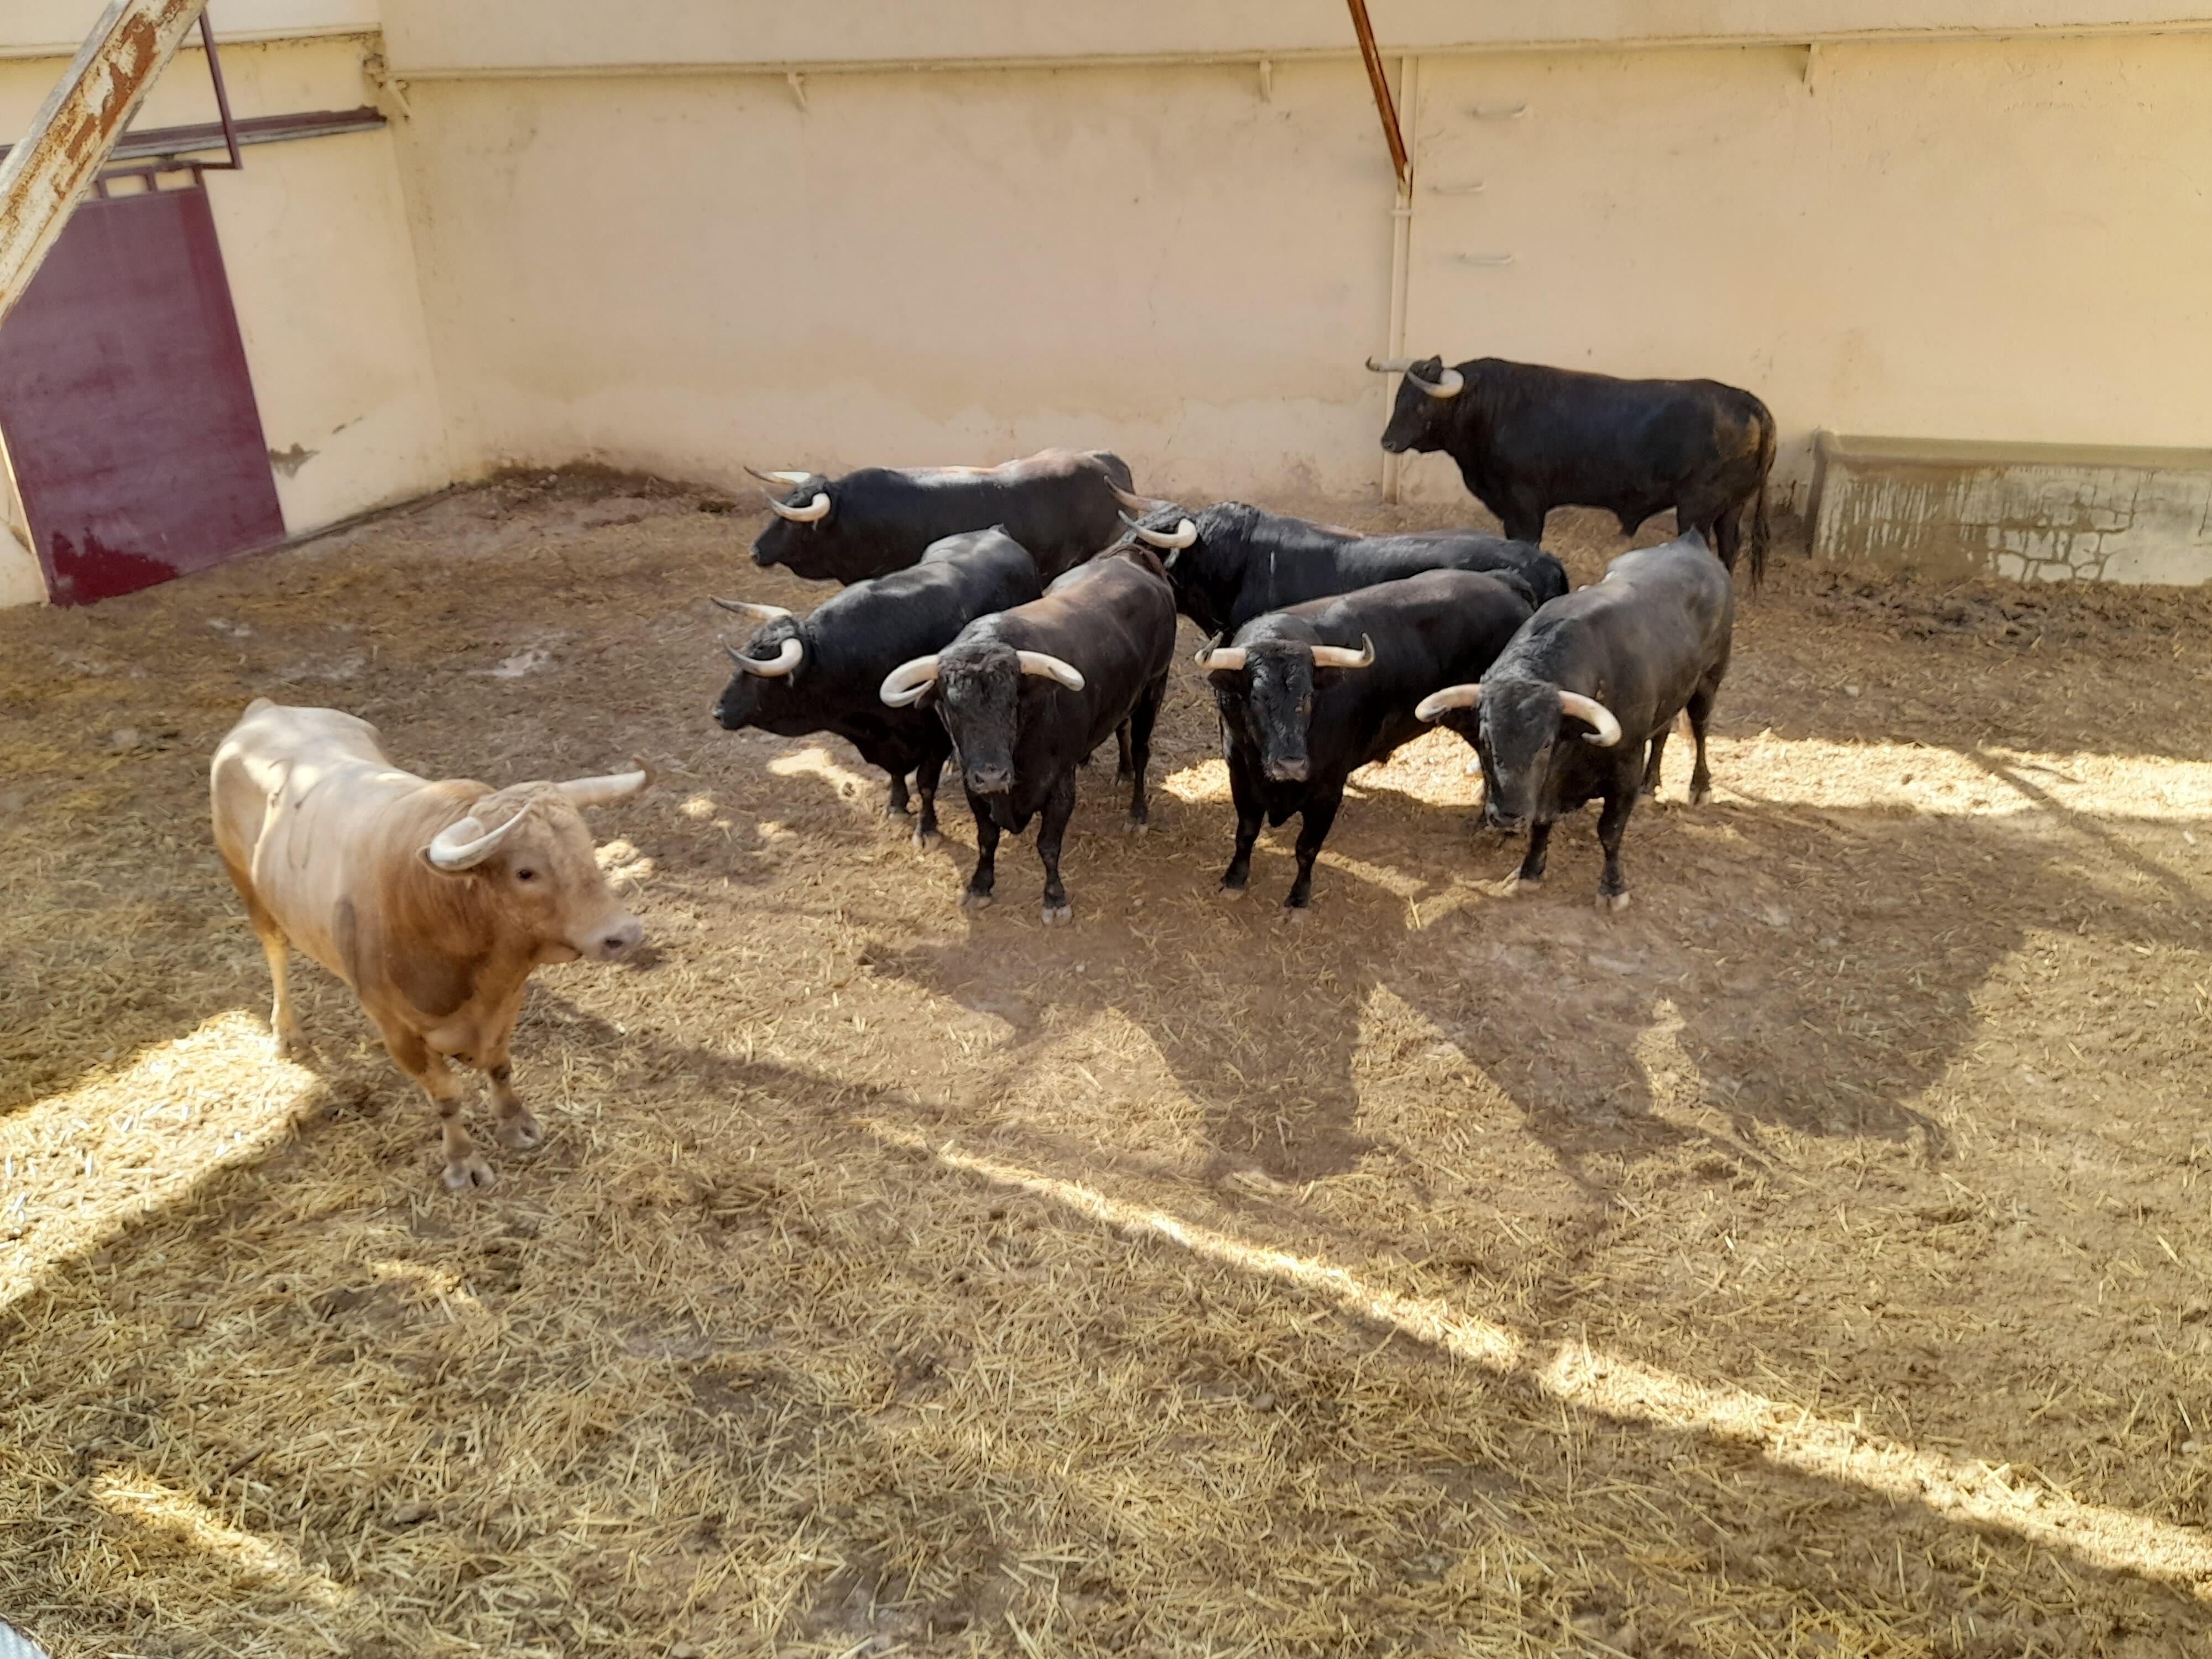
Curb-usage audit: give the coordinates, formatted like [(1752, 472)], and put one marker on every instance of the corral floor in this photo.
[(1810, 1260)]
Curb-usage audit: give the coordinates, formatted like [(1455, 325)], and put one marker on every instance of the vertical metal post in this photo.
[(222, 95), (1401, 260), (76, 127), (1381, 86)]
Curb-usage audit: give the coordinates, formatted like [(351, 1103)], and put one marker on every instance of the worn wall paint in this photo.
[(29, 27), (316, 241), (2033, 512)]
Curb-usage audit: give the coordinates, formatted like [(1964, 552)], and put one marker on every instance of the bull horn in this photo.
[(1222, 660), (1168, 541), (788, 480), (905, 683), (1050, 668), (817, 509), (1590, 709), (787, 660), (612, 786), (1437, 704), (466, 843), (758, 612), (1134, 502), (1389, 365), (1338, 656), (1449, 386)]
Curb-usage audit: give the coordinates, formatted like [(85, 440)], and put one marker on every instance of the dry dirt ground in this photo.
[(1810, 1260)]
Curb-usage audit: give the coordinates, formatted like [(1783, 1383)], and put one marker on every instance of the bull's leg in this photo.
[(514, 1127), (1121, 751), (978, 895), (1059, 808), (1727, 534), (1651, 763), (896, 806), (1531, 871), (1136, 732), (1522, 520), (463, 1169), (1612, 822), (1313, 829), (1701, 711), (1246, 794), (925, 777), (283, 1024)]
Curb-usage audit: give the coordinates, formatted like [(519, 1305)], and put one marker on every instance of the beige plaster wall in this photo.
[(1988, 238), (1995, 240), (692, 272)]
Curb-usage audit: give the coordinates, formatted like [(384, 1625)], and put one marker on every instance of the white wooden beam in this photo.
[(76, 127)]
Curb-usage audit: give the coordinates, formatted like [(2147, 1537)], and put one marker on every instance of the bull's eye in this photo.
[(526, 875)]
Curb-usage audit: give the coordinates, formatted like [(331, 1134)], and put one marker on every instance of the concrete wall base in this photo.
[(2022, 512)]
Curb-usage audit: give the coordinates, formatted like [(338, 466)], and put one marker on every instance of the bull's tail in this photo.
[(1116, 469), (1759, 529)]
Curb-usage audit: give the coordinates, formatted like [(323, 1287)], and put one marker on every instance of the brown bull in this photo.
[(433, 901)]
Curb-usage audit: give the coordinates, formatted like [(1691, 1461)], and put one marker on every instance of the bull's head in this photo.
[(1266, 687), (1517, 724), (1421, 419), (526, 853), (803, 507), (977, 685), (764, 668)]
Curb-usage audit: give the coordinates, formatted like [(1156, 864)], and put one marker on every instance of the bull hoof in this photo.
[(924, 839), (972, 899), (288, 1042), (1297, 914), (1610, 902), (1058, 916), (1701, 794), (1233, 890), (1518, 883), (1137, 826), (467, 1174), (520, 1133)]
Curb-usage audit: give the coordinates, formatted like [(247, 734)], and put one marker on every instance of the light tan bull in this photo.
[(433, 901)]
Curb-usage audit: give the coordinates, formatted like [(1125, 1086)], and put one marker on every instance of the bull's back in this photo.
[(306, 807), (1114, 622), (877, 625)]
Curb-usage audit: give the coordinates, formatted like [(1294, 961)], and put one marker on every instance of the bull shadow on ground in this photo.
[(1812, 970)]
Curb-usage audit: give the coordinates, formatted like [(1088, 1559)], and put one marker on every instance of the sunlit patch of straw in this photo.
[(77, 1167), (182, 1517), (1580, 1375)]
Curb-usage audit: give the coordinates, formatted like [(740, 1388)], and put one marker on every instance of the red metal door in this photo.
[(126, 404)]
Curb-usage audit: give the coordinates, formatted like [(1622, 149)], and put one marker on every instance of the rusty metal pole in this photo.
[(77, 127), (1380, 85)]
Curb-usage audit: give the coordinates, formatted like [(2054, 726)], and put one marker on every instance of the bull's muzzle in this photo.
[(1512, 823), (618, 939), (1287, 768), (990, 780)]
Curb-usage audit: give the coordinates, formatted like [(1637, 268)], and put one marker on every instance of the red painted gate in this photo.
[(126, 401)]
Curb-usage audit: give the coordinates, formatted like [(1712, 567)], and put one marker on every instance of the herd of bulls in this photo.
[(1012, 619)]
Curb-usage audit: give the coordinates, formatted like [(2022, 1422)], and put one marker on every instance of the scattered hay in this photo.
[(1808, 1262)]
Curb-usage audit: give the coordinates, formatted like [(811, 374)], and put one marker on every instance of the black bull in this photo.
[(1300, 710), (1059, 503), (1571, 706), (1230, 562), (1028, 693), (822, 673), (1528, 438)]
